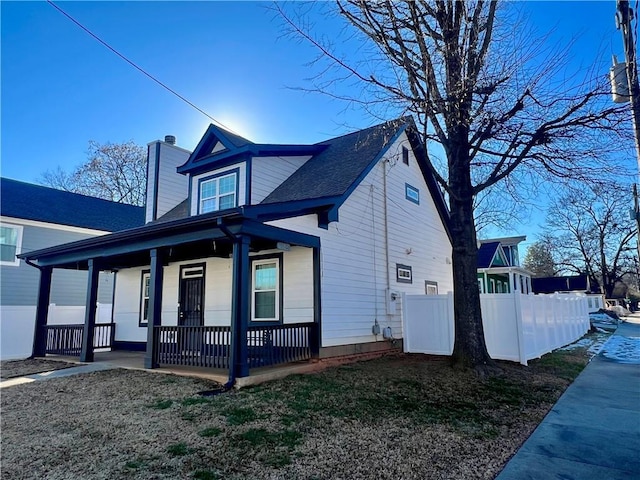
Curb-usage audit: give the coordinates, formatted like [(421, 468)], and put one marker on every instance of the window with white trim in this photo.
[(404, 273), (430, 288), (10, 244), (218, 193), (144, 298), (265, 295)]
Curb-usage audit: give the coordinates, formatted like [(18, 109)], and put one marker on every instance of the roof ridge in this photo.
[(400, 121)]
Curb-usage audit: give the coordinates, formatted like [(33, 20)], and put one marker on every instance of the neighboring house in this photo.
[(34, 217), (564, 284), (257, 254), (499, 269)]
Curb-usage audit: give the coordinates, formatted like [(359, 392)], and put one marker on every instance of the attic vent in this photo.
[(170, 139)]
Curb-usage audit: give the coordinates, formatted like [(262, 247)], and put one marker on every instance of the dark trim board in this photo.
[(156, 182), (129, 346)]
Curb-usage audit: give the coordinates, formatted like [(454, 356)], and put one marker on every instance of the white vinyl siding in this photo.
[(297, 271), (267, 173), (172, 186), (354, 275)]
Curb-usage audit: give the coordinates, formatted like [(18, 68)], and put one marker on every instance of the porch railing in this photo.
[(193, 346), (67, 339), (210, 347), (277, 344)]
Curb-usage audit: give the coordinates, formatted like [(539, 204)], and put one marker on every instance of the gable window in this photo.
[(266, 294), (10, 244), (144, 298), (430, 288), (218, 193), (405, 155), (403, 273), (412, 194)]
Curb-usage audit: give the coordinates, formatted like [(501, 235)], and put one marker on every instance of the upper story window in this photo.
[(405, 155), (10, 244), (219, 192)]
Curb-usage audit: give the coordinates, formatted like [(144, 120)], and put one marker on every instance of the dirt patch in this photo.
[(406, 417), (21, 368)]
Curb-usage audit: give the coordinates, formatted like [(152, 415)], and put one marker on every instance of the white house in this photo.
[(258, 254)]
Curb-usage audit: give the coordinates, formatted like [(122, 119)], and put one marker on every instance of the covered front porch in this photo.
[(182, 338)]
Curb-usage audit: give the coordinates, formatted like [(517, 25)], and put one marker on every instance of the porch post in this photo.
[(42, 312), (240, 307), (315, 339), (155, 306), (86, 355)]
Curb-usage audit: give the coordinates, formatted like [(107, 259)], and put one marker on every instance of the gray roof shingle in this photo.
[(335, 169), (44, 204)]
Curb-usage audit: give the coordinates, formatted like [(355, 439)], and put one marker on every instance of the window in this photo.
[(403, 273), (266, 297), (412, 194), (430, 288), (218, 193), (144, 298), (10, 244), (405, 155), (480, 286), (492, 287)]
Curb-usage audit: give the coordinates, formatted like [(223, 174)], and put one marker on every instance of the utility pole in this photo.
[(624, 16)]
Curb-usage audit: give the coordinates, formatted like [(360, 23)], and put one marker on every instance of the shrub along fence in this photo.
[(516, 327)]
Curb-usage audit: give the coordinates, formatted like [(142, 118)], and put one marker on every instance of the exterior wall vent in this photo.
[(170, 139)]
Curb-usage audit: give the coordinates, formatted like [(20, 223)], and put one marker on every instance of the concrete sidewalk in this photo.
[(593, 432)]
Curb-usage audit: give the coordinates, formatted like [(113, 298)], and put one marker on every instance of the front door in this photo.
[(191, 309)]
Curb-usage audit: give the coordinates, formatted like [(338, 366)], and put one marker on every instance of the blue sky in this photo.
[(61, 88)]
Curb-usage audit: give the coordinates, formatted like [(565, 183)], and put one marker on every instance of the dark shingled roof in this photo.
[(335, 169), (44, 204), (486, 252), (179, 211)]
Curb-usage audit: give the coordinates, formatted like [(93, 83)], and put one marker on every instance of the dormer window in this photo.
[(218, 192)]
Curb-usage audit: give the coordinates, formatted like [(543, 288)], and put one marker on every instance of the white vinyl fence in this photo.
[(516, 327), (17, 325)]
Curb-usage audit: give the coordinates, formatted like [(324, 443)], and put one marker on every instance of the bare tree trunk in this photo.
[(469, 349)]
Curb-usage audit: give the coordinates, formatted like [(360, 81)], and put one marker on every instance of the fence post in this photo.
[(405, 325), (451, 322), (517, 306)]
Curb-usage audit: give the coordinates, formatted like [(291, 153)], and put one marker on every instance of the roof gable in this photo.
[(215, 140), (48, 205), (490, 254)]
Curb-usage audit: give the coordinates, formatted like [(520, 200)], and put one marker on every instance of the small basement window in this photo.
[(412, 194), (404, 273)]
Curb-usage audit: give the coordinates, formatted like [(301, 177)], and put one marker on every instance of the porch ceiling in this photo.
[(185, 239)]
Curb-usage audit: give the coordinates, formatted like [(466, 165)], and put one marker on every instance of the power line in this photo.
[(140, 69)]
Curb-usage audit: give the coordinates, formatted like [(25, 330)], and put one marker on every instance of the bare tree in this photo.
[(539, 259), (114, 172), (591, 232), (487, 94)]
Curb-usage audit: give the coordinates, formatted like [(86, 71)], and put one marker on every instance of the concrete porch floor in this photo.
[(135, 361)]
